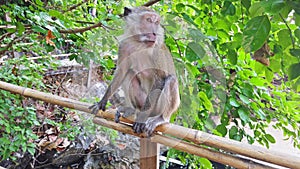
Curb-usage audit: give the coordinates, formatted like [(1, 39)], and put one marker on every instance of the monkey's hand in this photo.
[(98, 106)]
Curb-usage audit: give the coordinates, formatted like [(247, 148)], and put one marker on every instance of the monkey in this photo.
[(145, 72)]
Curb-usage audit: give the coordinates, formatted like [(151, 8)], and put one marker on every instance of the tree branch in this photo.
[(150, 3), (81, 30)]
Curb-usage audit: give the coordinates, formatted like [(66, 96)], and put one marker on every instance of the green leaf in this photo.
[(205, 163), (284, 38), (31, 150), (270, 138), (295, 52), (244, 114), (233, 102), (256, 33), (194, 51), (222, 129), (188, 19), (20, 28), (257, 81), (39, 2), (273, 6), (297, 33), (196, 35), (206, 102), (228, 8), (233, 132), (256, 9), (55, 13), (180, 7), (40, 29), (297, 19), (250, 139), (246, 4), (294, 71), (244, 99), (269, 75)]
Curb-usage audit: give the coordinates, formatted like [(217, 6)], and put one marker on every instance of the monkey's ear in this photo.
[(127, 11)]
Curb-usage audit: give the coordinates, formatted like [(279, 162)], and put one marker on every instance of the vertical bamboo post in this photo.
[(149, 154)]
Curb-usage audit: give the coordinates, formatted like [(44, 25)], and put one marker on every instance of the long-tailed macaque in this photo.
[(145, 72)]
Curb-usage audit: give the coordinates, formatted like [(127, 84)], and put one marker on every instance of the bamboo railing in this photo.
[(181, 138)]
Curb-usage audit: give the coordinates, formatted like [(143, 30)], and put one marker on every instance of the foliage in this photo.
[(17, 114), (238, 60)]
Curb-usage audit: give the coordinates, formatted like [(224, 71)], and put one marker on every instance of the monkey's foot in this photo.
[(138, 127), (98, 106), (117, 116), (95, 108), (152, 123)]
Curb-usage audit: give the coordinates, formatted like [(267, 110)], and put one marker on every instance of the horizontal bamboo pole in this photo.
[(198, 137), (186, 147)]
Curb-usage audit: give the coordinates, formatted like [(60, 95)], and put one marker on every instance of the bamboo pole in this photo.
[(198, 137), (186, 147)]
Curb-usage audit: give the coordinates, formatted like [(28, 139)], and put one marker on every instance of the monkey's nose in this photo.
[(151, 36)]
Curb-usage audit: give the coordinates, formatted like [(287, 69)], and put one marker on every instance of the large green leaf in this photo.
[(232, 57), (244, 114), (284, 38), (256, 33), (256, 9), (228, 8), (273, 6), (246, 4), (295, 52), (297, 33), (233, 102), (194, 51), (294, 71), (206, 102)]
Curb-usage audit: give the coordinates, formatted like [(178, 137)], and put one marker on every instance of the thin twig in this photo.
[(16, 39), (85, 22), (81, 30), (5, 35), (291, 34), (75, 6), (175, 40)]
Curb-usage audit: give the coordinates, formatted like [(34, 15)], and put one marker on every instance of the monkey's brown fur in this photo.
[(145, 72)]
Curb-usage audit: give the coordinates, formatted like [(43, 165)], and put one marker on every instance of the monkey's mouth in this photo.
[(149, 43), (149, 38)]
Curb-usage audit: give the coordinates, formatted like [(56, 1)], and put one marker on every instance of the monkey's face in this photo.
[(143, 25), (149, 28)]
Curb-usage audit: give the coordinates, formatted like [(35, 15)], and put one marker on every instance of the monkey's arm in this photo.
[(115, 84)]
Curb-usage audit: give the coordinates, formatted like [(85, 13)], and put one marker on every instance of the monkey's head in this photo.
[(143, 24)]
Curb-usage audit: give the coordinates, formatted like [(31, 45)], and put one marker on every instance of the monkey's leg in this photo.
[(166, 104), (141, 117)]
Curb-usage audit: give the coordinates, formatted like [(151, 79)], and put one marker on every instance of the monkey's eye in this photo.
[(157, 23), (148, 20)]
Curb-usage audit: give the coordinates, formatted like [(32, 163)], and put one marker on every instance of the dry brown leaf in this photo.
[(49, 37), (262, 55), (63, 145)]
